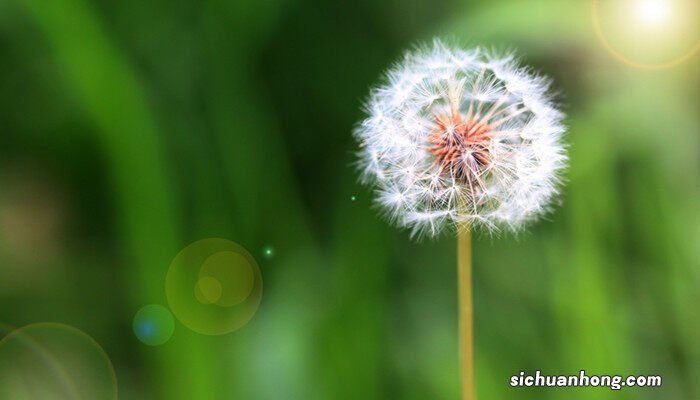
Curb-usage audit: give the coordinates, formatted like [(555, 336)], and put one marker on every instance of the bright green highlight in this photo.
[(269, 251)]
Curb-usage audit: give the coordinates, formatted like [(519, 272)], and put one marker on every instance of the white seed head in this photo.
[(458, 138)]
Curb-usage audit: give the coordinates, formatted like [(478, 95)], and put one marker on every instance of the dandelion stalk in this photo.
[(466, 314), (462, 138)]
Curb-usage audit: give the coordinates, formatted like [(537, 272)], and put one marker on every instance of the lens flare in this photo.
[(653, 12), (51, 361), (153, 325), (269, 251), (208, 290), (214, 286), (648, 34)]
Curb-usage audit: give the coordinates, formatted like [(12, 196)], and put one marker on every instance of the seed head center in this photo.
[(461, 144)]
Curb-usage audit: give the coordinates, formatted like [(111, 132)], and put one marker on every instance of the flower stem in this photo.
[(466, 314)]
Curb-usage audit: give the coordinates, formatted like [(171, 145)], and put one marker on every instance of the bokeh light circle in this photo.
[(645, 14), (214, 286), (268, 251), (154, 324), (208, 290), (51, 361)]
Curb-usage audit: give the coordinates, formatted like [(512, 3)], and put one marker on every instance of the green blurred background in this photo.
[(130, 129)]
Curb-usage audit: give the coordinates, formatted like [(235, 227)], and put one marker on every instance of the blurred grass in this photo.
[(163, 123)]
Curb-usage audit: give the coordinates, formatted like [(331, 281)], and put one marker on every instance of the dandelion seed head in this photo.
[(459, 138)]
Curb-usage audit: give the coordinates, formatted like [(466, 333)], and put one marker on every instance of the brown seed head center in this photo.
[(461, 144)]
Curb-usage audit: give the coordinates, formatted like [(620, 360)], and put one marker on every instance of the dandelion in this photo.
[(462, 139)]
